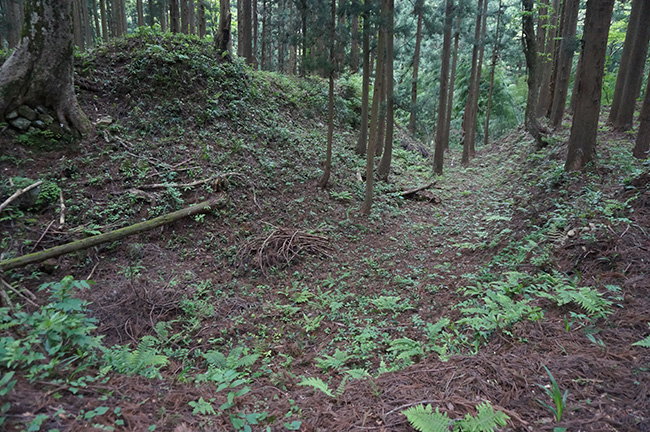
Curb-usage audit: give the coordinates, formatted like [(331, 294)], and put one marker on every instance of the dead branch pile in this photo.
[(281, 247)]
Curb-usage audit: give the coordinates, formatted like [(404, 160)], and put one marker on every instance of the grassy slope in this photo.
[(504, 242)]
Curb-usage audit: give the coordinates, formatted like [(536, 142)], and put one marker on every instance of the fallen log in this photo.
[(409, 192), (111, 236), (19, 193)]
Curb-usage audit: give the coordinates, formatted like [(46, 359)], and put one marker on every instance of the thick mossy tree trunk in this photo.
[(530, 52), (222, 40), (40, 71)]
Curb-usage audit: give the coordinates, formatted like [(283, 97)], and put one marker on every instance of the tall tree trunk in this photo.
[(263, 41), (589, 79), (623, 68), (419, 5), (541, 33), (642, 146), (174, 24), (568, 45), (479, 72), (330, 115), (151, 13), (200, 17), (40, 70), (85, 22), (140, 11), (438, 158), (14, 17), (185, 16), (104, 18), (305, 51), (77, 25), (374, 117), (468, 115), (164, 19), (634, 76), (222, 40), (452, 84), (365, 86), (384, 165), (191, 17), (546, 64), (255, 25), (354, 43), (245, 31), (493, 66), (530, 51)]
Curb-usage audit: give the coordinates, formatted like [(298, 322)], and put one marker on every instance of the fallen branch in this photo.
[(215, 179), (111, 236), (17, 292), (409, 192), (19, 193)]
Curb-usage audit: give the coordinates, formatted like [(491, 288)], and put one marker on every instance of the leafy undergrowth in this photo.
[(512, 275)]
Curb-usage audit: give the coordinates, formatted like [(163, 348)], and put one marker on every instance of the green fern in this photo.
[(644, 342), (144, 360), (424, 419), (317, 384)]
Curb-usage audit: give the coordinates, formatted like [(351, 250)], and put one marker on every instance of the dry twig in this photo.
[(19, 193)]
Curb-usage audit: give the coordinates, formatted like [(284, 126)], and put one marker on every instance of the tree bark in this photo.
[(582, 142), (40, 70), (495, 56), (530, 52), (546, 64), (469, 104), (419, 5), (384, 164), (174, 23), (330, 115), (222, 40), (438, 158), (104, 19), (634, 76), (245, 31), (200, 15), (365, 87), (14, 17), (110, 236), (374, 117), (568, 45), (354, 43), (642, 145), (479, 72), (140, 10), (630, 36), (452, 84)]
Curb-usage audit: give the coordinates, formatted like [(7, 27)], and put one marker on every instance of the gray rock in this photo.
[(39, 124), (46, 118), (41, 110), (21, 123), (27, 112), (12, 115)]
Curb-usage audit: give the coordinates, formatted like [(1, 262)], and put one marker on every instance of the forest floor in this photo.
[(284, 308)]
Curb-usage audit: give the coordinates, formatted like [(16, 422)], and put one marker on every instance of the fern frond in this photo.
[(317, 384), (424, 419), (643, 342), (486, 419)]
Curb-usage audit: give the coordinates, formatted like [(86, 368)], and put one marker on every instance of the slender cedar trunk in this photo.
[(416, 66), (140, 10), (493, 66), (634, 76), (263, 42), (374, 117), (452, 82), (104, 19), (642, 146), (185, 16), (630, 36), (200, 16), (191, 16), (381, 122), (246, 32), (151, 13), (40, 70), (174, 24), (439, 152), (282, 37), (330, 114), (222, 40), (293, 45), (541, 33), (305, 51), (125, 26), (76, 20), (98, 26), (469, 106), (384, 165), (255, 24), (568, 45), (87, 28), (365, 86), (589, 79), (546, 63), (477, 86), (530, 52), (354, 44), (164, 16)]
